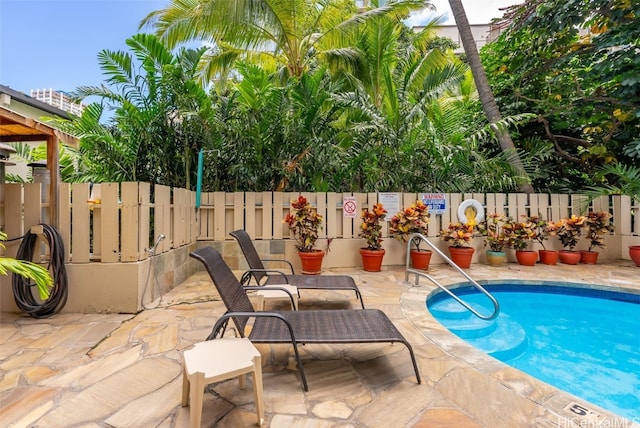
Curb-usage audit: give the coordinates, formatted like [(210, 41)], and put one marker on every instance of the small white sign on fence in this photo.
[(391, 203), (350, 207)]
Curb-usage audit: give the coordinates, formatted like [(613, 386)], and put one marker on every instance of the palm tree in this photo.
[(485, 94), (159, 121), (289, 35)]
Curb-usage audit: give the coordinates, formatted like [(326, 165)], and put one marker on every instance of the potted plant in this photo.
[(304, 223), (545, 230), (520, 235), (569, 230), (634, 253), (413, 219), (598, 225), (459, 237), (492, 230), (371, 231)]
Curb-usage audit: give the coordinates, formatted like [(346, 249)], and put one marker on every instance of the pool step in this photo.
[(502, 338), (506, 342)]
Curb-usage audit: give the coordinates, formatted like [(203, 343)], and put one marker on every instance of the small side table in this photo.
[(216, 360), (263, 295)]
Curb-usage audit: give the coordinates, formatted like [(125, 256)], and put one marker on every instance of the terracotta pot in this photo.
[(420, 259), (311, 261), (496, 258), (548, 257), (569, 257), (461, 256), (634, 253), (589, 257), (527, 258), (372, 259)]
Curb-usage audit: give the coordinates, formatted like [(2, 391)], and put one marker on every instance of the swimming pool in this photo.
[(582, 340)]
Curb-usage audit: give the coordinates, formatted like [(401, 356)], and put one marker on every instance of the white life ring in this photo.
[(470, 209)]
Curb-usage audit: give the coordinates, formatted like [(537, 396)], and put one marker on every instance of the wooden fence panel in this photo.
[(219, 209), (64, 219), (206, 213), (239, 210), (192, 223), (578, 204), (558, 208), (268, 225), (279, 202), (33, 210), (161, 216), (109, 225), (600, 204), (80, 223), (251, 215), (490, 204), (144, 222), (130, 222), (13, 224), (181, 217)]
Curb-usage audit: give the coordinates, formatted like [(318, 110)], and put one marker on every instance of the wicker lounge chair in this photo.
[(295, 327), (265, 276)]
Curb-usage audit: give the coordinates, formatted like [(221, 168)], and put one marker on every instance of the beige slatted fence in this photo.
[(130, 216)]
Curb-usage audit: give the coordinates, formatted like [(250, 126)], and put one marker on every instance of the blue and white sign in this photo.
[(436, 202)]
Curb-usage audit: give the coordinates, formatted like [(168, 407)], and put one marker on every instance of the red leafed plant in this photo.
[(371, 228), (304, 222)]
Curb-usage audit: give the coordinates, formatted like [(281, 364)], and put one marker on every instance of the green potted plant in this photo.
[(371, 231), (545, 230), (413, 219), (304, 223), (520, 234), (459, 237), (598, 225), (569, 231), (491, 229)]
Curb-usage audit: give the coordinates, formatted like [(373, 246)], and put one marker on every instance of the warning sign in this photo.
[(349, 207), (436, 202)]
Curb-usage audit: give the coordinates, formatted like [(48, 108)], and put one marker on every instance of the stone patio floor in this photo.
[(123, 370)]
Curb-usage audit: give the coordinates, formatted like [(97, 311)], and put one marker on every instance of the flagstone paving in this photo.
[(124, 370)]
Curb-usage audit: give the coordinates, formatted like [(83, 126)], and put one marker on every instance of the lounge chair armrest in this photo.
[(272, 287), (247, 275), (282, 261), (220, 323)]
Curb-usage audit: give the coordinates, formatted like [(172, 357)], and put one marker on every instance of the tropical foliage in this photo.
[(520, 233), (598, 224), (38, 274), (570, 230), (371, 227), (287, 37), (293, 95), (492, 229), (413, 219), (574, 64), (458, 234), (304, 223)]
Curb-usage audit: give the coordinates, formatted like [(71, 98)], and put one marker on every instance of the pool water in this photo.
[(581, 340)]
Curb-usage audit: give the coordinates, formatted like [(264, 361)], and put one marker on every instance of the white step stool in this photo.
[(216, 360)]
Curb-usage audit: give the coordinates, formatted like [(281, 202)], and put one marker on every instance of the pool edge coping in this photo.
[(556, 402)]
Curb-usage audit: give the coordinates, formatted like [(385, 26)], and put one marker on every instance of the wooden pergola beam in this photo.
[(38, 131)]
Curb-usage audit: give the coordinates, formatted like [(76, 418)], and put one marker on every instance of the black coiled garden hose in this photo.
[(23, 288)]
